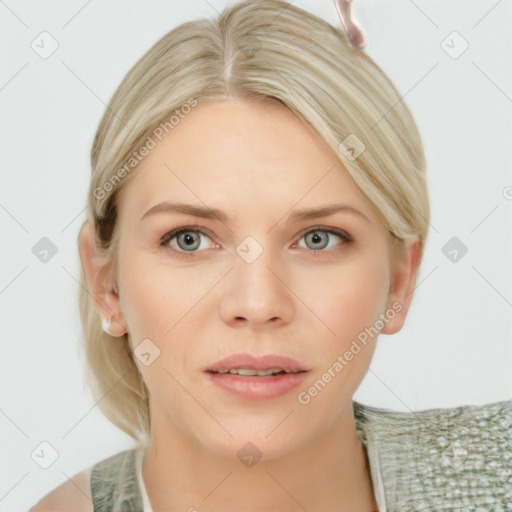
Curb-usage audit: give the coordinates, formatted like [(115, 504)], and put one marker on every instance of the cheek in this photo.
[(162, 304), (353, 300), (350, 307), (155, 295), (143, 306)]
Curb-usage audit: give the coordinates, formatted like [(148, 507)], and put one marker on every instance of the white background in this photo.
[(455, 347)]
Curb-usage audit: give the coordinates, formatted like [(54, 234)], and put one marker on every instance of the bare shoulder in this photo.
[(73, 494)]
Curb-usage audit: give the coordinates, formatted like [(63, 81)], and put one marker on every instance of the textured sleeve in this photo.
[(435, 460), (114, 484)]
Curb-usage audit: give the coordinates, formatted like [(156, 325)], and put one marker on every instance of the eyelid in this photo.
[(173, 233), (330, 229)]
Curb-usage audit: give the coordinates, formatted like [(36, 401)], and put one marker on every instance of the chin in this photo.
[(252, 442)]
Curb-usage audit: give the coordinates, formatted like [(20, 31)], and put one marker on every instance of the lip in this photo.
[(255, 387), (264, 362)]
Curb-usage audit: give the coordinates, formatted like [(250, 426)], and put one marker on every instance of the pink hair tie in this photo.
[(355, 34)]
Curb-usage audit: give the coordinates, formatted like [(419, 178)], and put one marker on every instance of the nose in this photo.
[(257, 293)]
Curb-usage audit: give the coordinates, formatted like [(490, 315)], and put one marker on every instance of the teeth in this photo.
[(250, 373), (260, 373)]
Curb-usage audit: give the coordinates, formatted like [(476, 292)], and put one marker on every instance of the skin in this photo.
[(302, 297)]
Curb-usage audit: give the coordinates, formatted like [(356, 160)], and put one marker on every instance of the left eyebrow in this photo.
[(214, 213), (324, 211)]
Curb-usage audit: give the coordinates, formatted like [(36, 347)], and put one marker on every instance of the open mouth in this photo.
[(246, 372), (256, 377)]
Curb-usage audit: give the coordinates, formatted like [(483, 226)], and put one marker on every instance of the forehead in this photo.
[(241, 154)]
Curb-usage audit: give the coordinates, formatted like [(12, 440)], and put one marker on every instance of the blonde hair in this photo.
[(261, 51)]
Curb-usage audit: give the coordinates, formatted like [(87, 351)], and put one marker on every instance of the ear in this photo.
[(100, 281), (402, 282)]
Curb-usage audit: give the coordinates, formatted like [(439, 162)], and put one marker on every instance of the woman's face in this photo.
[(261, 281)]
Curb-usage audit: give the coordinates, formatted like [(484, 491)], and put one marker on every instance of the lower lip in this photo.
[(257, 388)]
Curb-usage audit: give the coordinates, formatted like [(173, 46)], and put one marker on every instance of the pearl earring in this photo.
[(105, 324)]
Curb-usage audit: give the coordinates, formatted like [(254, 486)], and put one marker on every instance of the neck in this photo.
[(329, 473)]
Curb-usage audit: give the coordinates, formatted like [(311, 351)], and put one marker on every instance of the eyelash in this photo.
[(164, 241)]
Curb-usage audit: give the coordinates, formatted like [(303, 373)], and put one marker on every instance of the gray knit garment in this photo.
[(456, 459)]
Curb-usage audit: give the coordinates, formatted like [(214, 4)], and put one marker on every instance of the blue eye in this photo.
[(188, 240), (322, 237)]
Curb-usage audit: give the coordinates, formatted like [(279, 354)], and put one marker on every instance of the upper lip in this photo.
[(261, 363)]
